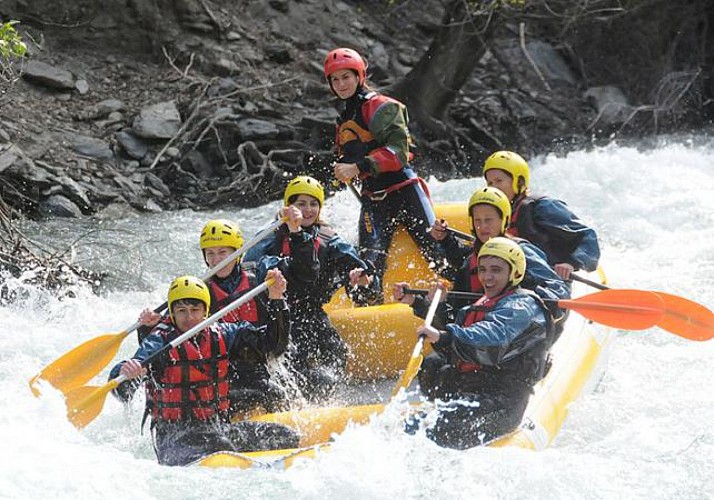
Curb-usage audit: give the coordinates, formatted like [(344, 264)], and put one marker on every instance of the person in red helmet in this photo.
[(373, 146)]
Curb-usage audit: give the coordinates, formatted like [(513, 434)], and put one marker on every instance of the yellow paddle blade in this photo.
[(85, 403), (78, 366), (227, 459), (686, 318), (619, 308)]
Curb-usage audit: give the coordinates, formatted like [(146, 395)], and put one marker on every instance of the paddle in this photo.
[(682, 317), (415, 361), (80, 365), (85, 403), (623, 309)]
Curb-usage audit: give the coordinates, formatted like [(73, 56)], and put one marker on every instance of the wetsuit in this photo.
[(253, 387), (483, 369), (551, 226), (372, 132), (317, 352)]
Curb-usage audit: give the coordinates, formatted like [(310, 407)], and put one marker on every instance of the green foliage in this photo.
[(11, 44)]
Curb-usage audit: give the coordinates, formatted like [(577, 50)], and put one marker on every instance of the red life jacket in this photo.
[(194, 383), (476, 285), (478, 313), (220, 298)]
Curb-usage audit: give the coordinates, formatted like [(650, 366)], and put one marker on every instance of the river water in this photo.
[(646, 431)]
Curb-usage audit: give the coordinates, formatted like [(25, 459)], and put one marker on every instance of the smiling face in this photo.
[(494, 274), (187, 313), (215, 255), (309, 207), (502, 180), (344, 83), (487, 222)]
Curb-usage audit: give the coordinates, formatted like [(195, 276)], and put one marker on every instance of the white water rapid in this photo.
[(645, 433)]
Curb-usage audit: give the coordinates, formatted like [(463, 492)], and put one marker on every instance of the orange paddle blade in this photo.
[(686, 318), (78, 366), (85, 403), (619, 308)]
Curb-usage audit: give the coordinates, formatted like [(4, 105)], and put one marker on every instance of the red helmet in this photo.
[(346, 59)]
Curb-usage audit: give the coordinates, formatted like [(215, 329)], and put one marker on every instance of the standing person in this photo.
[(317, 352), (490, 213), (485, 364), (187, 388), (546, 222), (373, 145)]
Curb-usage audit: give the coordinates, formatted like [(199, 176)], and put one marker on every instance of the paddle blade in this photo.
[(619, 308), (686, 318), (80, 365), (85, 403)]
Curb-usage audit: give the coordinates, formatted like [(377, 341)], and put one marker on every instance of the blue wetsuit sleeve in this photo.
[(555, 217)]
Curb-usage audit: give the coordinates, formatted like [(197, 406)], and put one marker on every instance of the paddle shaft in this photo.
[(416, 358)]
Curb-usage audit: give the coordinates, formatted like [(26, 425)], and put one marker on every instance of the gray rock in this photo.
[(157, 184), (82, 86), (48, 76), (610, 102), (550, 62), (91, 147), (58, 206), (152, 206), (255, 129), (160, 121), (132, 145), (118, 210)]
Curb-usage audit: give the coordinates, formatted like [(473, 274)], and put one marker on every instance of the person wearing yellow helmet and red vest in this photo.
[(188, 386), (373, 146), (485, 364), (490, 213), (548, 223), (317, 353)]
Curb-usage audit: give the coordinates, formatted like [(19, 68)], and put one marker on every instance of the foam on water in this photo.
[(644, 433)]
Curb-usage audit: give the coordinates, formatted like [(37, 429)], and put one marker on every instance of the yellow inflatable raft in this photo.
[(381, 340)]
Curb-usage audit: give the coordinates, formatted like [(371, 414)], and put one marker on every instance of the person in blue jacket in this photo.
[(489, 212), (374, 147), (485, 364), (317, 353), (188, 386), (548, 223)]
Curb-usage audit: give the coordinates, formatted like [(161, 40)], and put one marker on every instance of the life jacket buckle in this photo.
[(379, 195)]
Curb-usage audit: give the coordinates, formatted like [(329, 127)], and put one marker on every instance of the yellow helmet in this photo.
[(188, 287), (511, 252), (511, 163), (221, 233), (304, 185), (494, 197)]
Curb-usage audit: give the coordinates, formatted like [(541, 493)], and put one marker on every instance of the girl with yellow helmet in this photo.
[(486, 362), (548, 223), (373, 146), (317, 354), (188, 387)]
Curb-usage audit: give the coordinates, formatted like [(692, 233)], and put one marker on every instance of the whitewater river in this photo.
[(645, 433)]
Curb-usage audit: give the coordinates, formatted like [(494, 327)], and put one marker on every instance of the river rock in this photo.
[(57, 205), (48, 76), (160, 121)]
